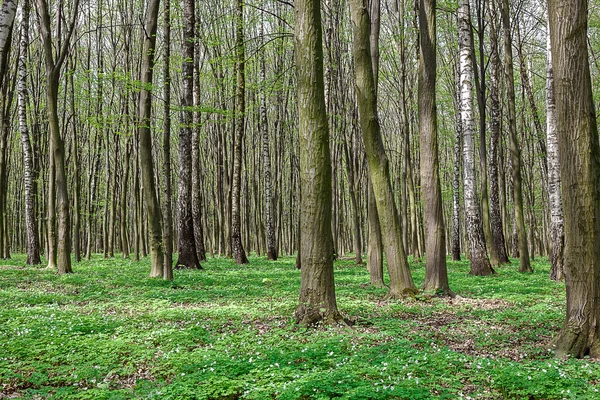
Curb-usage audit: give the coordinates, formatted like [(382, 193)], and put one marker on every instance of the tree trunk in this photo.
[(401, 282), (187, 257), (53, 71), (557, 233), (436, 273), (236, 223), (33, 246), (515, 152), (480, 264), (167, 202), (580, 172), (317, 290), (145, 143), (269, 215), (496, 224), (456, 176)]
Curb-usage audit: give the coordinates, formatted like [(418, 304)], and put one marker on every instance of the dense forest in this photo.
[(182, 130)]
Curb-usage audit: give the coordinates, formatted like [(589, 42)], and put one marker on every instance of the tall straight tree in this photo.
[(167, 203), (557, 232), (480, 264), (54, 63), (401, 282), (264, 123), (187, 257), (515, 152), (33, 246), (579, 153), (145, 142), (436, 273), (240, 118), (496, 224), (317, 290)]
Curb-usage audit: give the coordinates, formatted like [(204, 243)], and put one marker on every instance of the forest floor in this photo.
[(227, 332)]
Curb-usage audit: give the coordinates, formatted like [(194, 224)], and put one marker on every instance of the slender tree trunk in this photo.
[(496, 224), (269, 215), (480, 264), (579, 152), (557, 233), (167, 202), (236, 223), (53, 70), (197, 198), (145, 142), (436, 273), (456, 177), (515, 152), (317, 290), (33, 247), (401, 282)]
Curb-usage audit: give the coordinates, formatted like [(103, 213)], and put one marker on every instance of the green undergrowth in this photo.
[(227, 332)]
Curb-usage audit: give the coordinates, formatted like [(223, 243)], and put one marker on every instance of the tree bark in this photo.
[(579, 152), (515, 152), (167, 203), (33, 246), (456, 176), (401, 282), (187, 257), (480, 264), (557, 233), (496, 224), (317, 290), (269, 215), (53, 70), (436, 273), (236, 223), (145, 143)]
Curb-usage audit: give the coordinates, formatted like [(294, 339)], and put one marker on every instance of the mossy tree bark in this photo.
[(515, 152), (579, 153), (436, 273), (317, 291), (401, 282), (145, 142)]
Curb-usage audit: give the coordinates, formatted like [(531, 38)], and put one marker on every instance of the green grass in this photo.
[(110, 332)]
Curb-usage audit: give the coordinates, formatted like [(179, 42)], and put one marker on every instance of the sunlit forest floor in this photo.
[(227, 332)]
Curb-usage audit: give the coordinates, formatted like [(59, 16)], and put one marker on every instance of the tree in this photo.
[(236, 228), (317, 291), (167, 203), (54, 63), (496, 224), (436, 274), (480, 264), (145, 142), (33, 247), (557, 234), (401, 282), (187, 257), (515, 152), (579, 153), (269, 215)]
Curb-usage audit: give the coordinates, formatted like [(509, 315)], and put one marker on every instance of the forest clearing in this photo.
[(110, 332)]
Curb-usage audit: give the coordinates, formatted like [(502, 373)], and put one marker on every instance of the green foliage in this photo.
[(109, 332)]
